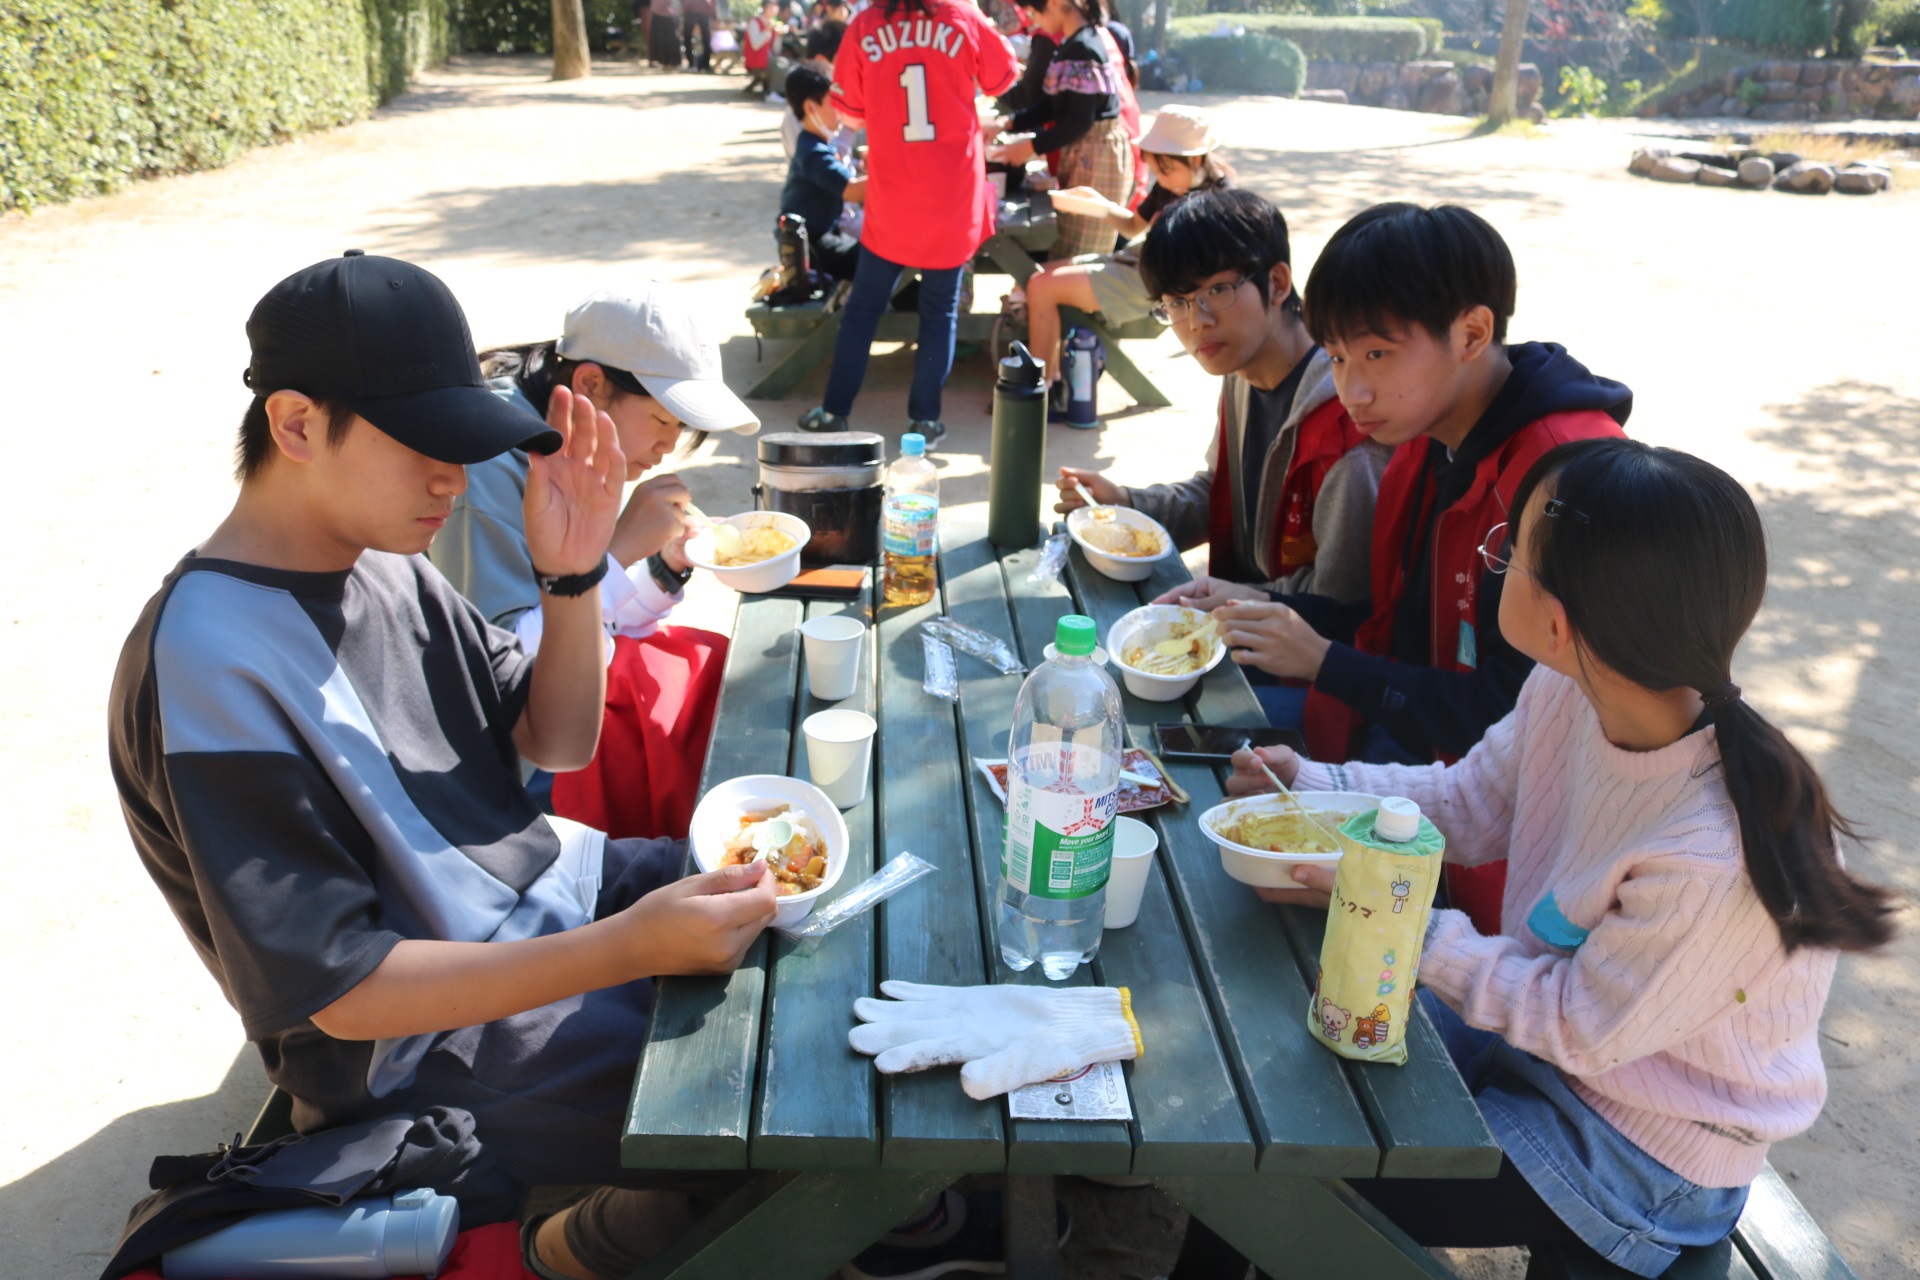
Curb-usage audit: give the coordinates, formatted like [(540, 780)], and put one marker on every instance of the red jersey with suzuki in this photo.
[(911, 75)]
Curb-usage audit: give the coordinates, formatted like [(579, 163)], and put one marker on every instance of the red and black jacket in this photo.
[(1429, 665), (1322, 438)]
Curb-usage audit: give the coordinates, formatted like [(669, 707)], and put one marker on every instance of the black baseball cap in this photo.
[(388, 340)]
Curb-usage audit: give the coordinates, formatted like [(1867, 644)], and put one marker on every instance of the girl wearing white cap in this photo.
[(1181, 151), (647, 362)]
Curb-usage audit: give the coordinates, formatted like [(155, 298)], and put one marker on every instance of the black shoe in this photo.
[(818, 419), (969, 1237), (933, 431)]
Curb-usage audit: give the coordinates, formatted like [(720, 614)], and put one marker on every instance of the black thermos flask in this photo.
[(1019, 451)]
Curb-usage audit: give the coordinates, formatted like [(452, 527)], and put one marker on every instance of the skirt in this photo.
[(661, 696), (1103, 160)]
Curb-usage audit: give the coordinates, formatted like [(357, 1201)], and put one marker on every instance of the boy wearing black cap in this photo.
[(317, 745)]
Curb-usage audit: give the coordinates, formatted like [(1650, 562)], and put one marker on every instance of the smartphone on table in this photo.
[(1220, 741)]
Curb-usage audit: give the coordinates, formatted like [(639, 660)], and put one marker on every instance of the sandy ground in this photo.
[(1774, 335)]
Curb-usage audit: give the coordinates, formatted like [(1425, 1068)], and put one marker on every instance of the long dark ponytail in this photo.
[(1660, 560)]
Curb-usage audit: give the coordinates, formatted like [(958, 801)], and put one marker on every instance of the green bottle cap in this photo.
[(1074, 635)]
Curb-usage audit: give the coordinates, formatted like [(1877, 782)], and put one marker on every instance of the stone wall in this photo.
[(1801, 91), (1439, 87)]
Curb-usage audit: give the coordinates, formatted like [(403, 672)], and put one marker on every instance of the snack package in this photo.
[(1382, 895)]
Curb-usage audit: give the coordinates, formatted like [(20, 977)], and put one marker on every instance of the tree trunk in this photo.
[(1161, 11), (570, 58), (1502, 103)]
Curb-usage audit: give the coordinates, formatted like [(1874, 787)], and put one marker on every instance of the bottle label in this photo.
[(909, 523), (1059, 837)]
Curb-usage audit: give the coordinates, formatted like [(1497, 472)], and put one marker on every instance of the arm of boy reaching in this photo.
[(572, 503), (1427, 710), (703, 924)]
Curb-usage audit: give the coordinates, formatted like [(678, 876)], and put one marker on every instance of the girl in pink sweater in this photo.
[(1645, 1024)]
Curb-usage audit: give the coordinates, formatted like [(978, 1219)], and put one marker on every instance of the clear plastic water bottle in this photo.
[(1063, 794), (910, 523)]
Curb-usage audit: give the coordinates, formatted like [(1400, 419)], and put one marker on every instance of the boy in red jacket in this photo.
[(1412, 305), (1285, 504)]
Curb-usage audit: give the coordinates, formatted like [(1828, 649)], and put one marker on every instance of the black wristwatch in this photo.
[(571, 584), (672, 581)]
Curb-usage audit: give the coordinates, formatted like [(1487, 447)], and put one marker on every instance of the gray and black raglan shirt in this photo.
[(315, 766)]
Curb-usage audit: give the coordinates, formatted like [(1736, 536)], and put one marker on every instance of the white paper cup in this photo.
[(839, 752), (833, 647), (1133, 845)]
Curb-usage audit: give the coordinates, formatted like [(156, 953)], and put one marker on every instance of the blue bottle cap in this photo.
[(913, 445)]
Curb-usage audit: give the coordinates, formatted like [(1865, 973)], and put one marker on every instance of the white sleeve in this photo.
[(632, 603)]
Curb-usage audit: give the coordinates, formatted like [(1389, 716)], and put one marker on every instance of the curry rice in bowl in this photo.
[(738, 821), (768, 556), (1137, 632), (1119, 541), (1263, 838)]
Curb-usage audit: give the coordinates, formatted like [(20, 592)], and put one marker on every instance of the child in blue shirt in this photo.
[(819, 181)]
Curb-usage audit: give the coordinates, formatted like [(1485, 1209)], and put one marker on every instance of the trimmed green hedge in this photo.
[(1257, 62), (1332, 39), (94, 93)]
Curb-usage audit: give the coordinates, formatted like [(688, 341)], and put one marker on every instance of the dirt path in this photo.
[(1774, 335)]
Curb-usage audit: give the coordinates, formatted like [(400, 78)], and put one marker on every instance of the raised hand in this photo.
[(573, 496)]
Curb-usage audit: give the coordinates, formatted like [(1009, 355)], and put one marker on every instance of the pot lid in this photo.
[(822, 448)]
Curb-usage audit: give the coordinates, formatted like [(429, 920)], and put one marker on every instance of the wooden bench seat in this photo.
[(1776, 1239)]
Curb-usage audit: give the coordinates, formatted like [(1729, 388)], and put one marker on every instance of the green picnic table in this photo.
[(1238, 1114), (1026, 227)]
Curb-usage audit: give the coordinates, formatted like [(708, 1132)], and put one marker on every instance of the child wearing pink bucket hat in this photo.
[(1183, 154)]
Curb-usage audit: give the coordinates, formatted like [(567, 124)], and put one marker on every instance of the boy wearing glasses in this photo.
[(1286, 503)]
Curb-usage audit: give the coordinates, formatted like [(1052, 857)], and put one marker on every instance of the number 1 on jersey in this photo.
[(914, 81)]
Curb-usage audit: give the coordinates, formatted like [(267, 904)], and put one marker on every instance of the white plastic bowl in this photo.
[(1261, 867), (1146, 625), (1120, 568), (765, 575), (716, 820)]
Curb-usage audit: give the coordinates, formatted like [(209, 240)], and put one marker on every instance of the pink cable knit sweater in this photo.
[(1680, 1018)]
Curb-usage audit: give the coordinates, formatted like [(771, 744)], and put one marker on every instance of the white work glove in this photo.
[(1006, 1036)]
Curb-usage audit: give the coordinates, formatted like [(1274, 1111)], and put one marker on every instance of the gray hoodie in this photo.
[(1342, 514)]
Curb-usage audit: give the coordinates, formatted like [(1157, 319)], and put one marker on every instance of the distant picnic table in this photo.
[(1026, 228)]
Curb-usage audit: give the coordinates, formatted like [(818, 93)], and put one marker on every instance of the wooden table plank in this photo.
[(930, 932), (1188, 1117), (1429, 1126), (693, 1092), (976, 595), (1427, 1123), (1303, 1113), (818, 1105)]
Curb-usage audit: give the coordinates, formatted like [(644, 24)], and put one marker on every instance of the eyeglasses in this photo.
[(1211, 301), (1497, 562)]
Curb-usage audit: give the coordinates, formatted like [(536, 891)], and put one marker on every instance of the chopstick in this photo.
[(1287, 791)]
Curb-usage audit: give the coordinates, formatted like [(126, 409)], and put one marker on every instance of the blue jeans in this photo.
[(1628, 1207), (873, 283)]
